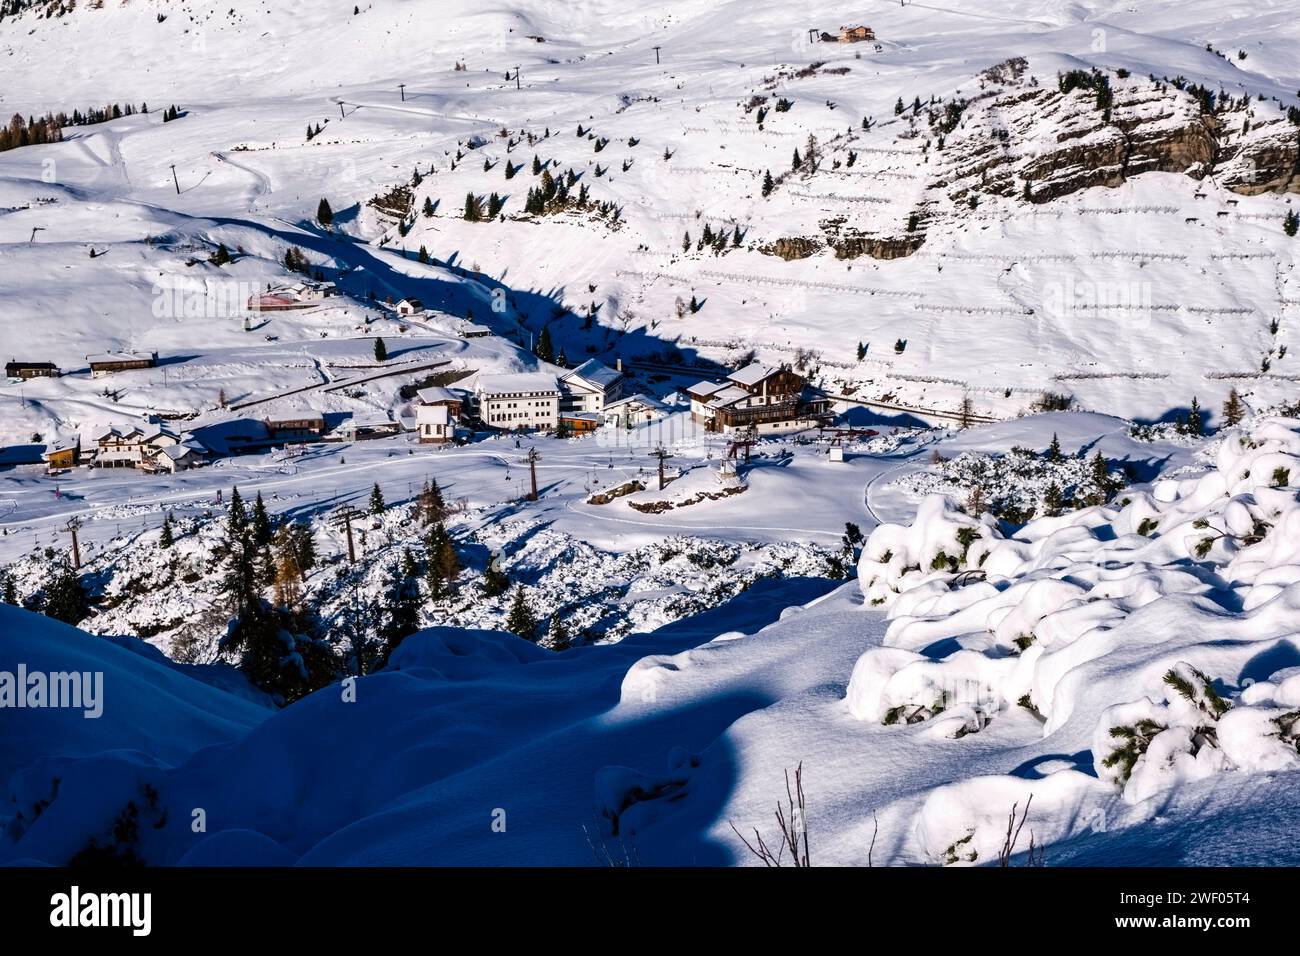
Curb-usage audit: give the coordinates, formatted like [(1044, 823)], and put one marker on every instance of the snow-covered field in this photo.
[(1133, 299), (1074, 610), (924, 700)]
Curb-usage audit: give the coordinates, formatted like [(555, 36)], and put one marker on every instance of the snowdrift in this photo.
[(284, 780), (150, 714), (1162, 631), (150, 703)]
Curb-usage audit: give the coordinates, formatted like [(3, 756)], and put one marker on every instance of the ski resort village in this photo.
[(636, 419)]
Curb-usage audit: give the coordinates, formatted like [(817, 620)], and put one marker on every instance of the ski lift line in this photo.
[(489, 125), (682, 528), (912, 409), (316, 477), (182, 496), (770, 281), (332, 386)]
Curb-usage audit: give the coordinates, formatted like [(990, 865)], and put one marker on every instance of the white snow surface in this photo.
[(1130, 672), (653, 747), (1133, 299)]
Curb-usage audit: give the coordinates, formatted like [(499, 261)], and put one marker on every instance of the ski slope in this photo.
[(1132, 299), (971, 666), (649, 750)]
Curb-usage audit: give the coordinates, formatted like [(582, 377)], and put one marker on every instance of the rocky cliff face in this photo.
[(849, 243), (1061, 142), (1261, 155), (1037, 140), (794, 247)]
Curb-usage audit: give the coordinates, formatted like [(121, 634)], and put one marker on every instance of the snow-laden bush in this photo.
[(1144, 747), (898, 687), (938, 544), (1017, 483), (988, 621), (965, 823)]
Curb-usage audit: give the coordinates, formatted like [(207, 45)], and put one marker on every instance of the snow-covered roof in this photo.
[(510, 383), (374, 420), (177, 452), (753, 373), (706, 388), (437, 393), (62, 444), (639, 399), (122, 357), (595, 373), (728, 396), (297, 415), (150, 432), (469, 328), (117, 431)]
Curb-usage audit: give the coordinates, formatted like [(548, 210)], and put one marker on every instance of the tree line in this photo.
[(36, 130), (286, 643)]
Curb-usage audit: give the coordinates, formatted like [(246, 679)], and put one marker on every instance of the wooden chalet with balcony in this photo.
[(296, 426), (101, 365), (767, 399), (28, 370)]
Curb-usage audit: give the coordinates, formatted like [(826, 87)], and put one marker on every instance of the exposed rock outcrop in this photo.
[(850, 243), (1039, 140), (1062, 142), (792, 247), (1263, 158)]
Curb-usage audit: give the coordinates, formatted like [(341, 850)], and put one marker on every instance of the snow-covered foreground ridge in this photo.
[(1161, 632), (1123, 241), (1131, 674)]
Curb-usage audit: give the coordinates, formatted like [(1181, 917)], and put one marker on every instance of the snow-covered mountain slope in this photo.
[(1145, 263), (1159, 636), (1020, 203), (1125, 673), (147, 704), (632, 564)]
